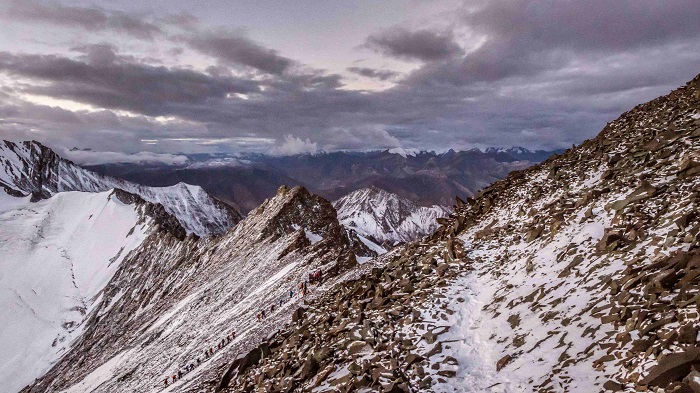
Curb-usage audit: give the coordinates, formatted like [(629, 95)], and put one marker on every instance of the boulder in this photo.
[(613, 386), (672, 367), (502, 362)]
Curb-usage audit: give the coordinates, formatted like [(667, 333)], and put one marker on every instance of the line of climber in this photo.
[(314, 278), (195, 363)]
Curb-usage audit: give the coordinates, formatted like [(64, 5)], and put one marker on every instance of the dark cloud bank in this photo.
[(544, 75)]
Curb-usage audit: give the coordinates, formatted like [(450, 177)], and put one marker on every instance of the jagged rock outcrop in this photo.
[(30, 168)]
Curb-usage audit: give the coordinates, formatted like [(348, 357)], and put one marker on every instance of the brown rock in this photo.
[(441, 269), (614, 386), (503, 362), (447, 373), (672, 367), (688, 334)]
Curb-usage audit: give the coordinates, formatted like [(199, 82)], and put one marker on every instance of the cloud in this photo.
[(423, 45), (359, 138), (292, 145), (382, 75), (90, 157), (88, 18), (233, 49), (105, 82), (535, 74)]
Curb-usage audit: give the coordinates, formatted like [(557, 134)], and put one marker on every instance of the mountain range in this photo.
[(426, 178), (578, 274)]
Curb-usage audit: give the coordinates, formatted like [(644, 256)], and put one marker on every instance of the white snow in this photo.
[(8, 202), (404, 152), (55, 257), (100, 375), (314, 238), (372, 245)]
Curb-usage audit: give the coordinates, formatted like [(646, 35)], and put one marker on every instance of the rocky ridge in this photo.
[(30, 168), (172, 298), (580, 273)]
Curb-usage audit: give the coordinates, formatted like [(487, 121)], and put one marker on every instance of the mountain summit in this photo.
[(386, 218)]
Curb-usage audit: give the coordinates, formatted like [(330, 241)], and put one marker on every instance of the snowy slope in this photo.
[(56, 256), (386, 217), (31, 168), (586, 267)]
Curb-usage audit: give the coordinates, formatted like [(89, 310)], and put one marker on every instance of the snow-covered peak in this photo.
[(386, 217), (30, 168), (404, 152), (511, 150)]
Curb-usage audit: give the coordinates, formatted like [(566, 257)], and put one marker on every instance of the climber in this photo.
[(272, 308), (233, 334), (165, 381), (179, 374), (263, 314), (174, 378), (291, 293), (258, 317)]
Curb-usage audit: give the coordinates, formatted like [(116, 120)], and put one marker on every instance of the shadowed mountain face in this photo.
[(426, 178)]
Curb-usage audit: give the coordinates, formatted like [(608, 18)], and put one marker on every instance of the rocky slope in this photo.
[(57, 255), (580, 274), (30, 168), (386, 218), (172, 298)]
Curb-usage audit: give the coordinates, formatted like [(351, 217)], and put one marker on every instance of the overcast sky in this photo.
[(286, 77)]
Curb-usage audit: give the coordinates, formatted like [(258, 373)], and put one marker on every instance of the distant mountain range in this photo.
[(427, 178)]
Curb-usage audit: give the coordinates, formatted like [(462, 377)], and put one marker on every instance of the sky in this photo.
[(141, 78)]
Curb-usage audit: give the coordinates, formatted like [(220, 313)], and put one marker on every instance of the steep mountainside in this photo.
[(386, 218), (580, 274), (29, 168), (56, 256), (425, 177), (172, 299)]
